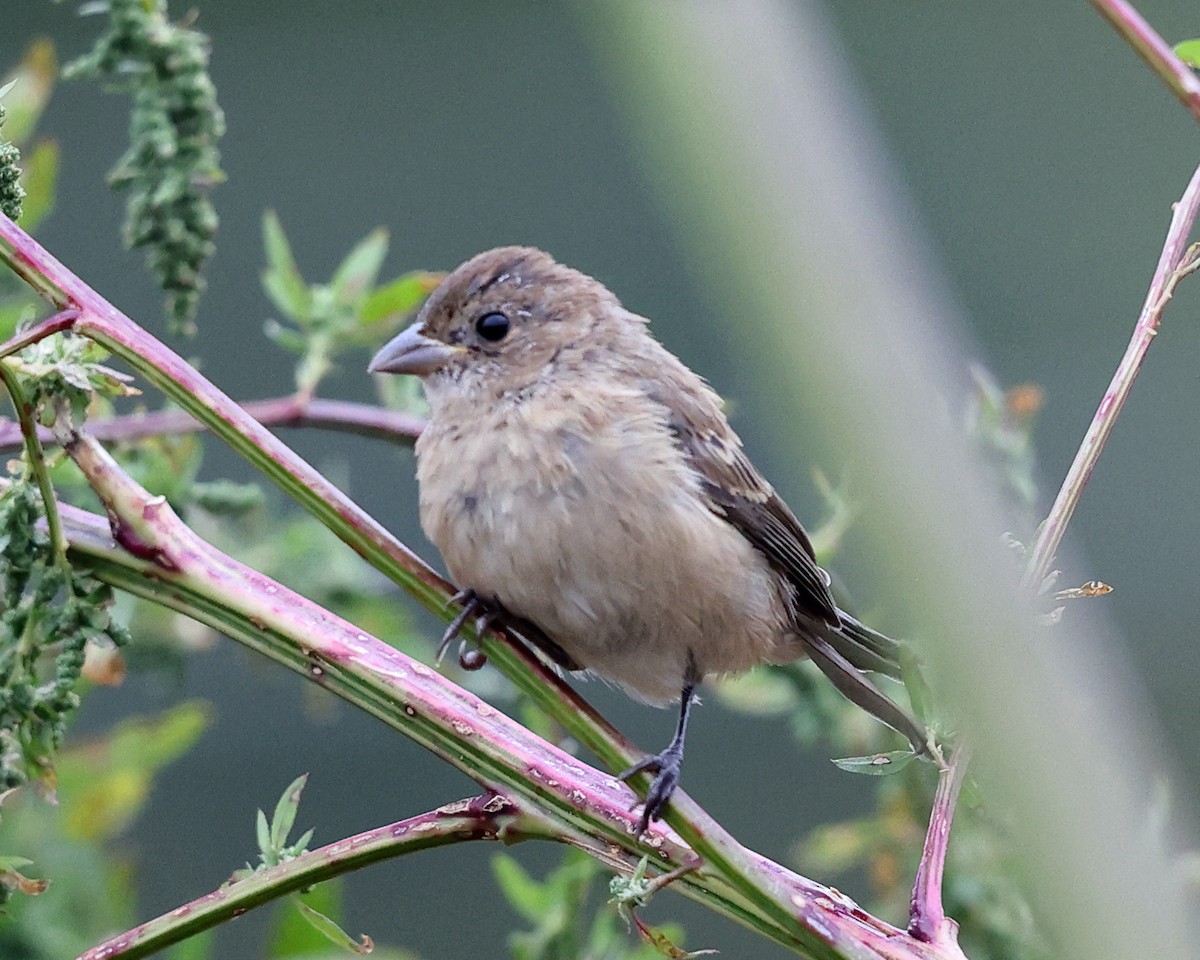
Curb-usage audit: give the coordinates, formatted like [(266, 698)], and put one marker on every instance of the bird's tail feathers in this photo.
[(865, 648), (847, 677)]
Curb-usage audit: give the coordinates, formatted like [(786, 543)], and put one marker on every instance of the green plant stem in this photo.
[(482, 818), (36, 460)]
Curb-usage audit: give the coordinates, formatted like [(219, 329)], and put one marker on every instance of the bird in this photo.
[(582, 483)]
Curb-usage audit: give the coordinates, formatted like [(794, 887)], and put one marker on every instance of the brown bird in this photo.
[(576, 475)]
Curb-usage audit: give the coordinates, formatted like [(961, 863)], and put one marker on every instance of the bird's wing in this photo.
[(740, 494), (737, 492)]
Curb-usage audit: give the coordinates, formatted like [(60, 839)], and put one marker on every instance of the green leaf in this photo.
[(399, 297), (331, 931), (282, 280), (111, 782), (1189, 52), (356, 275), (878, 764), (293, 935), (284, 817), (759, 693), (262, 836), (287, 337), (524, 894)]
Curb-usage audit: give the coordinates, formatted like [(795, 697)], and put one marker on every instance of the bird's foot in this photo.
[(666, 767), (485, 613)]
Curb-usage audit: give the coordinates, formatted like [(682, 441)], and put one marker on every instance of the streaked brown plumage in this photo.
[(576, 474)]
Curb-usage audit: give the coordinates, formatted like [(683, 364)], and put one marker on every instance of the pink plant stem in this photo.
[(292, 411), (927, 916), (1157, 53), (587, 808), (1166, 276), (63, 320), (758, 890)]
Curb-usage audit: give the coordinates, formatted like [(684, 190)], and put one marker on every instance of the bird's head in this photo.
[(500, 320)]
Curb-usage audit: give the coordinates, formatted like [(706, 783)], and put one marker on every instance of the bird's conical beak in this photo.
[(413, 352)]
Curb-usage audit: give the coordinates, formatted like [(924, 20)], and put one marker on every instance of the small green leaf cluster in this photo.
[(321, 320), (50, 613), (561, 928), (174, 129), (65, 372), (273, 847), (12, 194)]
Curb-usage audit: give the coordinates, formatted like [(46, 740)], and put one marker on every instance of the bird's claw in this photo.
[(485, 614), (666, 767)]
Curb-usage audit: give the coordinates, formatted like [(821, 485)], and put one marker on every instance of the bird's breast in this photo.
[(588, 521)]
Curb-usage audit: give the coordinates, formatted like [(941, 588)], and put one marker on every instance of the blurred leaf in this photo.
[(199, 946), (878, 764), (110, 779), (919, 695), (828, 536), (834, 848), (39, 179), (282, 280), (13, 879), (523, 893), (356, 275), (398, 298), (306, 925), (31, 84), (331, 931), (662, 943), (1189, 52), (227, 498), (757, 693)]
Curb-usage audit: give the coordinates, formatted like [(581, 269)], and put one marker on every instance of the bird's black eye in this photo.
[(492, 326)]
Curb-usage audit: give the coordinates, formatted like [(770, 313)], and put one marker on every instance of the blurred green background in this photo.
[(1042, 159)]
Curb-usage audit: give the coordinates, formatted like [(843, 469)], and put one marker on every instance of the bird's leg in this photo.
[(668, 764)]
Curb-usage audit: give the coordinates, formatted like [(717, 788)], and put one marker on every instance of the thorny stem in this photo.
[(583, 806), (481, 818), (37, 464), (1155, 51), (757, 882), (290, 411), (1174, 263), (927, 916)]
